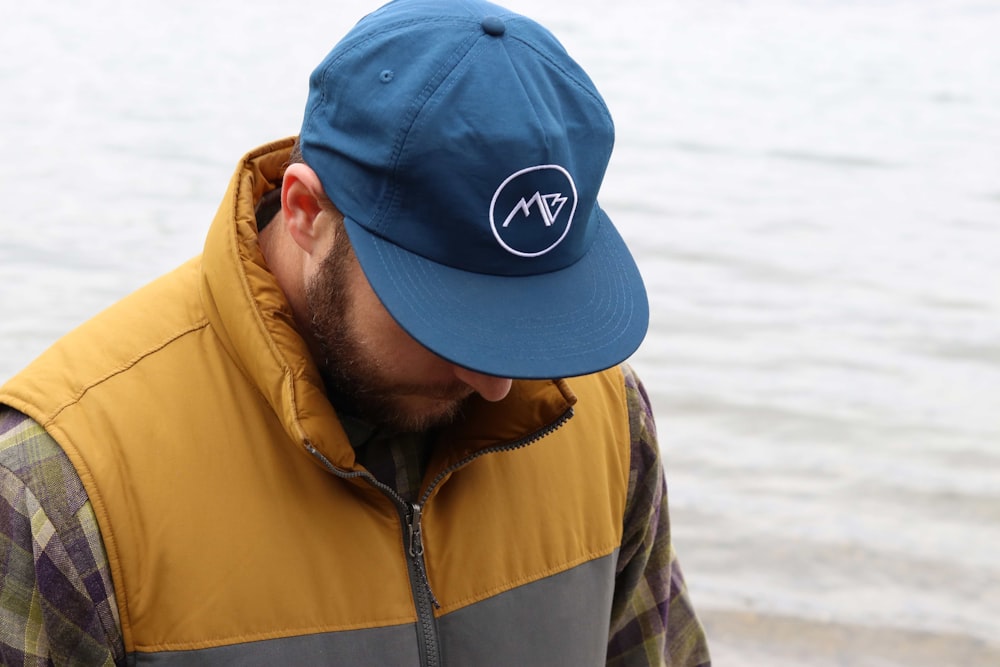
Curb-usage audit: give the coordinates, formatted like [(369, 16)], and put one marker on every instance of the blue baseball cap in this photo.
[(466, 149)]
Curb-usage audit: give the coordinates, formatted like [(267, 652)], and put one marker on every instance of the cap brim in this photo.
[(581, 319)]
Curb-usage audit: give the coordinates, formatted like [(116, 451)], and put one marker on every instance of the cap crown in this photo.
[(463, 133)]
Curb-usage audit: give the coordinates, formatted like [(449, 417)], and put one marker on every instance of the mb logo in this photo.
[(532, 210), (548, 205)]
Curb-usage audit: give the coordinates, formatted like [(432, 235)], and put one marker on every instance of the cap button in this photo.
[(493, 25)]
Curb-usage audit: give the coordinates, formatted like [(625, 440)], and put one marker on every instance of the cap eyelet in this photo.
[(386, 75)]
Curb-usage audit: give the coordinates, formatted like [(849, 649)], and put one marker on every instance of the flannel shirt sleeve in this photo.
[(652, 620), (57, 602)]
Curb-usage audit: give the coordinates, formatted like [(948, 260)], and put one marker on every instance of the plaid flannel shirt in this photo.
[(57, 601)]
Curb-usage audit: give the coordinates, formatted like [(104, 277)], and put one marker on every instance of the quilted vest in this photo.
[(240, 529)]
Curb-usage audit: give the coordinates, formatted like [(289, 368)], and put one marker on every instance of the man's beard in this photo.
[(354, 380)]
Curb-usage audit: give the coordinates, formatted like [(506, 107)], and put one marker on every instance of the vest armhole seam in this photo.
[(107, 535)]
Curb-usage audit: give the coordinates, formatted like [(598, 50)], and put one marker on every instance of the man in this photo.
[(335, 436)]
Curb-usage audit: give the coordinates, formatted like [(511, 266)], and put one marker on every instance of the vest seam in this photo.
[(598, 553), (102, 516), (121, 368), (101, 513), (283, 633), (632, 438)]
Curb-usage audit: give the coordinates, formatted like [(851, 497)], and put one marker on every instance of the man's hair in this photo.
[(296, 155)]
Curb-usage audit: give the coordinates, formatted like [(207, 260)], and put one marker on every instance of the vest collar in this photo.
[(250, 314)]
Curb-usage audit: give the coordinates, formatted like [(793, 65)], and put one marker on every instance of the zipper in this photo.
[(505, 447), (416, 550), (411, 514), (426, 603)]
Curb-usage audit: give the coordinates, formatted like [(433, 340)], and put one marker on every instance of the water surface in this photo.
[(812, 189)]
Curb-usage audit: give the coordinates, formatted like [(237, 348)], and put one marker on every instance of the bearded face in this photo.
[(373, 369)]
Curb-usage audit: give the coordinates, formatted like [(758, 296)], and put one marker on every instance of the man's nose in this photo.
[(489, 387)]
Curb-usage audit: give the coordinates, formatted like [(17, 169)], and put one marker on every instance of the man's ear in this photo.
[(301, 197)]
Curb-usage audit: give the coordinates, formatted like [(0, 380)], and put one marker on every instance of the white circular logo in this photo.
[(532, 210)]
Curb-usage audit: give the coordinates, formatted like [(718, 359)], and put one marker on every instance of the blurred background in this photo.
[(812, 191)]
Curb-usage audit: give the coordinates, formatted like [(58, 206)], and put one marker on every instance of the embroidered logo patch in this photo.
[(532, 210)]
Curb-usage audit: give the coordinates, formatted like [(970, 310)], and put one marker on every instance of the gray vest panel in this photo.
[(559, 620), (376, 646)]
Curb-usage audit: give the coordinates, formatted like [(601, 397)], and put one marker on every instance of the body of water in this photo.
[(812, 190)]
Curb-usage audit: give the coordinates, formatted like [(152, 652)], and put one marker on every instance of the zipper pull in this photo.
[(416, 538), (417, 551)]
